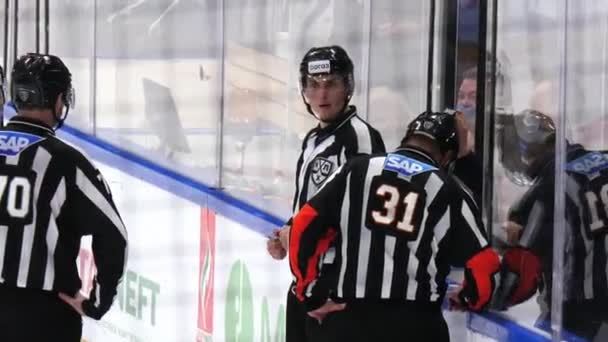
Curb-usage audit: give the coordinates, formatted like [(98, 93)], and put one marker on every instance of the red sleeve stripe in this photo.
[(301, 223), (311, 272)]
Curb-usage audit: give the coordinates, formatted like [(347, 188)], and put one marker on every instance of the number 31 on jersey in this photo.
[(397, 208)]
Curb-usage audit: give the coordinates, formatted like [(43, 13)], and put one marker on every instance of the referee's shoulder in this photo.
[(361, 134), (68, 153), (357, 121), (363, 160), (456, 187)]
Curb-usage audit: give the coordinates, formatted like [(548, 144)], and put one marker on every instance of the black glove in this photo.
[(94, 307)]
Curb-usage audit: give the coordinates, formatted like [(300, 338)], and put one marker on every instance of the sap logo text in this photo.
[(589, 164), (12, 143), (319, 67), (406, 166)]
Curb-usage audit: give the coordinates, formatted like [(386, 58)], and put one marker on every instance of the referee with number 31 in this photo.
[(50, 196), (398, 222)]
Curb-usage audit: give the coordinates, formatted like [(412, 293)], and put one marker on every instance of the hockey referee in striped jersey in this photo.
[(50, 196), (398, 221), (327, 85)]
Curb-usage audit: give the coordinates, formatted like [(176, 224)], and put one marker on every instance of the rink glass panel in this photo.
[(158, 82), (586, 122), (264, 116), (210, 88), (525, 38), (398, 58), (530, 43), (260, 127), (71, 37)]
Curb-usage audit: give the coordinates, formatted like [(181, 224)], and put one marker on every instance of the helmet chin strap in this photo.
[(58, 117)]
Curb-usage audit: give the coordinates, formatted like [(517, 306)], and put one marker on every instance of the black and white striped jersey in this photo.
[(398, 223), (586, 217), (50, 196), (325, 149)]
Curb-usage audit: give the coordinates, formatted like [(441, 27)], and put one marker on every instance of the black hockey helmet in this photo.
[(535, 132), (439, 127), (525, 141), (327, 60), (37, 80)]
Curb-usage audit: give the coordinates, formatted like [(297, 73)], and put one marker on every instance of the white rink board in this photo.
[(163, 250), (163, 281), (246, 277)]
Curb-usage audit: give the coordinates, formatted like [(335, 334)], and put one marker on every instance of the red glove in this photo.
[(527, 267), (479, 282)]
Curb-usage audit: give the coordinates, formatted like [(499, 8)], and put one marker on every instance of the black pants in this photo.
[(300, 326), (585, 319), (383, 322), (34, 315)]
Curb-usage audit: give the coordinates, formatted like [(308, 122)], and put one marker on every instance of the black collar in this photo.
[(29, 125)]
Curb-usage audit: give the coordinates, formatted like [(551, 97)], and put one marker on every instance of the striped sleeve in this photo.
[(366, 140), (377, 142), (96, 213), (313, 232), (466, 228)]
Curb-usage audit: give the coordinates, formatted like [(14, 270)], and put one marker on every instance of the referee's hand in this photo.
[(75, 302), (275, 247), (455, 302), (327, 308)]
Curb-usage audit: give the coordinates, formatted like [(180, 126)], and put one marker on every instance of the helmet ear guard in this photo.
[(69, 97), (28, 95)]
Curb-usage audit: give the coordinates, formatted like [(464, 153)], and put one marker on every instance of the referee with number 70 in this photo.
[(398, 222), (50, 196)]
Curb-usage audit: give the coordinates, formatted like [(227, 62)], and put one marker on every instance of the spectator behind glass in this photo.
[(467, 96)]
